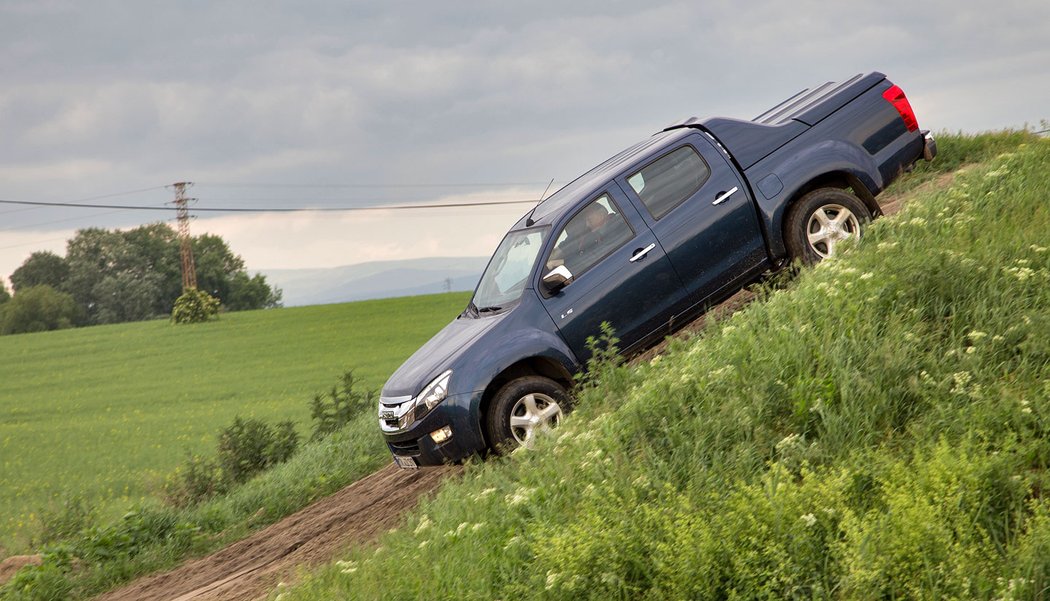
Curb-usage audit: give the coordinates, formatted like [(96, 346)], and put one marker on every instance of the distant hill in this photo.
[(378, 279)]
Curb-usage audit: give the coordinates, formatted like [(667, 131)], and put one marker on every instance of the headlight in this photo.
[(434, 393)]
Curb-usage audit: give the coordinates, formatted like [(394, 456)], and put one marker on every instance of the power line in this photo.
[(370, 186), (97, 197), (445, 205)]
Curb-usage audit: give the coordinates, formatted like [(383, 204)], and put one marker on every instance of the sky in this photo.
[(336, 103)]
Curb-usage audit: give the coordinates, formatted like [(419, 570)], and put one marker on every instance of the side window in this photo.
[(666, 182), (590, 236)]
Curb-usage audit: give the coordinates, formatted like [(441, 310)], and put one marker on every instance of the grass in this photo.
[(105, 413), (876, 430)]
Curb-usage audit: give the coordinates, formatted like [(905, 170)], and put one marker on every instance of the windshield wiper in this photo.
[(471, 310), (492, 309)]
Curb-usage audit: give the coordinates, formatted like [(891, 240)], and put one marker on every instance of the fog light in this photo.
[(441, 436)]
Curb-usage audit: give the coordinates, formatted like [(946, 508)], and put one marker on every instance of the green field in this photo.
[(108, 412)]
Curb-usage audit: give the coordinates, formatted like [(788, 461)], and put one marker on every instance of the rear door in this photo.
[(699, 209), (620, 275)]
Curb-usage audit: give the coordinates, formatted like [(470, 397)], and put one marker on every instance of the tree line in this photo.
[(113, 276)]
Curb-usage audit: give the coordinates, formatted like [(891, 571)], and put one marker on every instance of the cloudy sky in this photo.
[(326, 103)]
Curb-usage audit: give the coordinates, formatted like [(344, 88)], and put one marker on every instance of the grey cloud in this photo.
[(456, 91)]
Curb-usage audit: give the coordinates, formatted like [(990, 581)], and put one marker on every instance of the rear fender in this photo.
[(834, 162)]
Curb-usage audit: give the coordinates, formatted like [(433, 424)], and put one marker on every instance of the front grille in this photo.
[(406, 448)]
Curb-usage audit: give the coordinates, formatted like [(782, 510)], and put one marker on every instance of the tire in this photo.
[(523, 407), (820, 220)]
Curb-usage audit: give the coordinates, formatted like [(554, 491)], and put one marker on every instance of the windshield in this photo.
[(505, 277)]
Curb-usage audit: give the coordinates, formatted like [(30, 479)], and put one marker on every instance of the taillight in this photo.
[(896, 97)]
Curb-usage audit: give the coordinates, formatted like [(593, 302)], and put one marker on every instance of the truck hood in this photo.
[(438, 355)]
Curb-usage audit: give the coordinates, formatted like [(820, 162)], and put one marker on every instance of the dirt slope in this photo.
[(250, 568)]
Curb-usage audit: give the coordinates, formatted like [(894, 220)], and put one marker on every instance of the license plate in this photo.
[(407, 463)]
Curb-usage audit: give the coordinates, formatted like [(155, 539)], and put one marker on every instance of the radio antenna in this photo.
[(528, 220)]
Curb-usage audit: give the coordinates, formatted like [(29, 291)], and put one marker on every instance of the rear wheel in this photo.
[(522, 409), (820, 221)]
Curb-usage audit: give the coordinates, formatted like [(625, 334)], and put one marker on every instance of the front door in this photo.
[(620, 275)]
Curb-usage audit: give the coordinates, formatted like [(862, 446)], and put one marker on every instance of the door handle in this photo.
[(641, 252), (724, 196)]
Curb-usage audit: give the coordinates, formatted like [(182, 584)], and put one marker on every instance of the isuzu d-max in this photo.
[(646, 241)]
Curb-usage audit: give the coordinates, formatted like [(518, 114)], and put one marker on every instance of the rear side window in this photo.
[(590, 236), (666, 182)]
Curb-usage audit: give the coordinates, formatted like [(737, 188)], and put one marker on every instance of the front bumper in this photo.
[(415, 441)]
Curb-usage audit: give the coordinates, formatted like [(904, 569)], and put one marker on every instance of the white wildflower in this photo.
[(867, 275), (488, 491), (1021, 273), (809, 519), (520, 496), (423, 524)]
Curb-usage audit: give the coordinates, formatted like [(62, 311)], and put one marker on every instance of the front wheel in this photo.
[(523, 408), (816, 225)]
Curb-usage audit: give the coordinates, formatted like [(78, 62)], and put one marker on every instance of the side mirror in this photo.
[(558, 278)]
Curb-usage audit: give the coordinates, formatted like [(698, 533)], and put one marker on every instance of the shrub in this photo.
[(196, 480), (249, 446), (246, 448), (65, 520), (38, 309), (341, 405), (194, 306)]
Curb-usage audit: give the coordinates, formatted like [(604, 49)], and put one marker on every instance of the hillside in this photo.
[(106, 413), (876, 429)]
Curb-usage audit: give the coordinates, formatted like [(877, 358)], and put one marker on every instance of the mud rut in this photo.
[(251, 568)]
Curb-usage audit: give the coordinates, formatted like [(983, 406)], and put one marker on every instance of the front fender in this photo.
[(532, 344)]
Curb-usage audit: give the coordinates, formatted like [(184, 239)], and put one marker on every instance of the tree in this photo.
[(251, 293), (42, 268), (92, 254), (127, 296), (216, 264), (38, 309), (4, 294)]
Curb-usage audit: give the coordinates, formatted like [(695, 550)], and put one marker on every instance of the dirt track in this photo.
[(251, 568)]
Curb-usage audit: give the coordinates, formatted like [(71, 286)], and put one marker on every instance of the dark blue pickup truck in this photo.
[(646, 241)]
